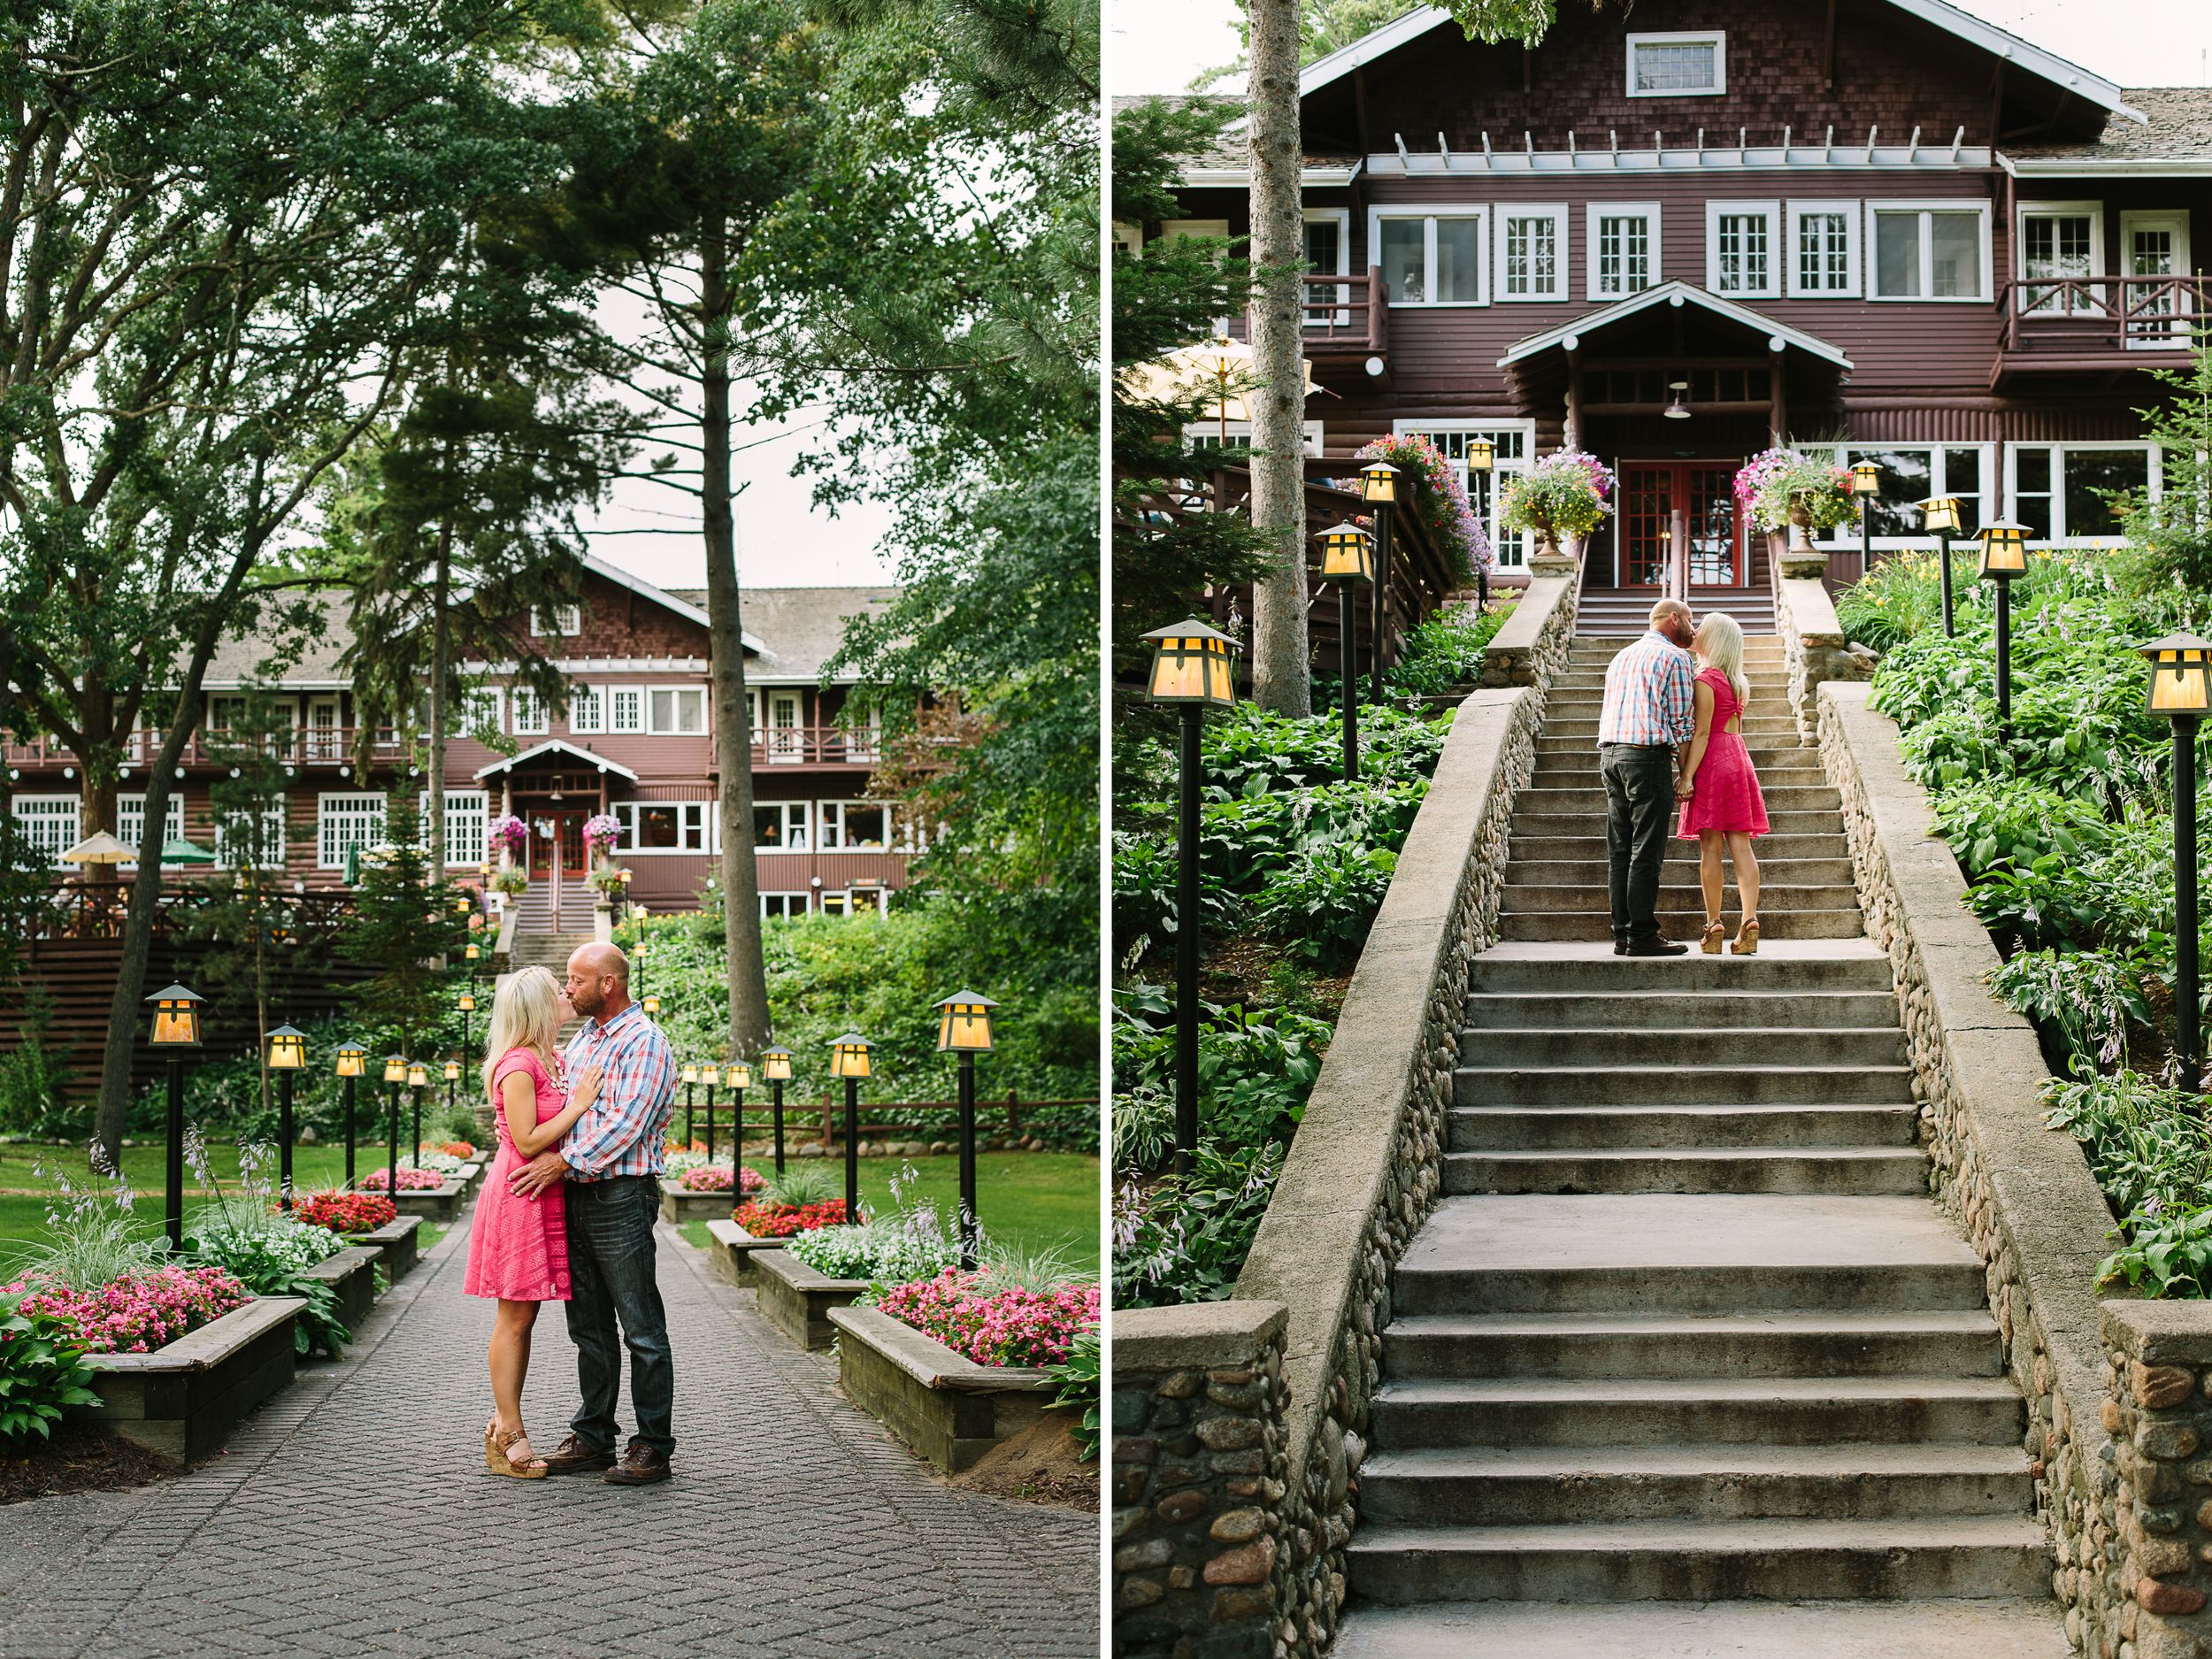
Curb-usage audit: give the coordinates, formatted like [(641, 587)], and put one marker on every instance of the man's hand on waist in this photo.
[(546, 1170)]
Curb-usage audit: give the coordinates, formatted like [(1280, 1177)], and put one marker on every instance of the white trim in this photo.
[(1674, 293), (1716, 38), (483, 710), (1331, 178), (2177, 337), (347, 819), (533, 717), (1869, 241), (1597, 212), (567, 621), (782, 751), (2060, 534), (587, 709), (1793, 211), (582, 757), (1639, 151), (692, 817), (1198, 432), (1127, 237), (617, 697), (468, 810), (2088, 167), (1769, 210), (55, 820), (1176, 229), (830, 822), (675, 695), (133, 806), (1984, 498), (667, 601), (784, 826), (274, 819), (1341, 217), (1430, 212), (2023, 211), (1562, 254)]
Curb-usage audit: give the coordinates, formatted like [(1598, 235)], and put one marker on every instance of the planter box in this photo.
[(352, 1274), (471, 1177), (433, 1203), (181, 1400), (734, 1248), (946, 1406), (396, 1242), (682, 1206), (796, 1299)]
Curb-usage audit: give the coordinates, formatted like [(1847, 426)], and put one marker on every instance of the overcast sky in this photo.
[(1158, 45)]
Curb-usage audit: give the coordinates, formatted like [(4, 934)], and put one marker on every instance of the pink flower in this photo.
[(142, 1311)]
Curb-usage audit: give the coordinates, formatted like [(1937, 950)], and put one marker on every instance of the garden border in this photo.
[(796, 1299), (183, 1398), (732, 1249), (945, 1406)]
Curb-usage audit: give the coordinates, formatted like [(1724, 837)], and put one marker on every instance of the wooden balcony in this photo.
[(1347, 321), (834, 745), (2099, 327)]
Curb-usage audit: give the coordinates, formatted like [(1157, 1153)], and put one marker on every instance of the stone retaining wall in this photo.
[(1365, 1171), (2158, 1375), (1531, 647), (2022, 1193), (1813, 650)]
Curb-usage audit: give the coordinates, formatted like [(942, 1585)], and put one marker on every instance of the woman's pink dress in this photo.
[(1726, 793), (519, 1247)]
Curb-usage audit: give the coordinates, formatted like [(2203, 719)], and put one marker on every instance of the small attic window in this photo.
[(1686, 65)]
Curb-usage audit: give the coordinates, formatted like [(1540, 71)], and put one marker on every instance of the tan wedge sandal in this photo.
[(1710, 942), (532, 1468), (1746, 942)]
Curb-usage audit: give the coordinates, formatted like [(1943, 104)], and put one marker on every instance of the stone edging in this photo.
[(2024, 1194), (1814, 651), (1363, 1174)]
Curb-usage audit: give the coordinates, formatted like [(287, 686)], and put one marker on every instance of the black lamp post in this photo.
[(395, 1074), (691, 1082), (1941, 514), (652, 1006), (1378, 483), (286, 1054), (963, 1028), (1347, 556), (713, 1077), (848, 1059), (468, 1007), (176, 1028), (2004, 557), (418, 1079), (1190, 667), (1866, 484), (352, 1057), (2181, 689), (775, 1065), (452, 1092), (1481, 455), (737, 1078)]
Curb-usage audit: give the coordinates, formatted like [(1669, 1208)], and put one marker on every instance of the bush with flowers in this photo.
[(513, 881), (1561, 495), (409, 1180), (602, 831), (992, 1323), (137, 1313), (715, 1178), (508, 833), (1778, 488), (436, 1159), (1441, 503), (346, 1213), (764, 1221), (461, 1149)]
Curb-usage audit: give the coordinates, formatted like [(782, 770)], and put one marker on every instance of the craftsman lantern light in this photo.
[(964, 1029), (737, 1079), (1866, 479), (468, 1007), (691, 1082), (352, 1059), (775, 1065), (2181, 690), (1379, 482), (286, 1053), (2004, 557), (395, 1074), (652, 1005), (1941, 514), (1378, 485), (473, 954), (1481, 454), (1866, 484), (1205, 680), (176, 1028), (848, 1059), (418, 1079), (452, 1092), (1347, 555)]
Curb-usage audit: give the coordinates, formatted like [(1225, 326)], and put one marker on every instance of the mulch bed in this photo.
[(77, 1458)]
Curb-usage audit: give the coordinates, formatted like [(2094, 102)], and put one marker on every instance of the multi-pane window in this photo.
[(1740, 256), (587, 709), (780, 825), (1932, 252), (677, 711), (1327, 253), (860, 724), (2066, 492), (1509, 455), (1530, 249), (663, 826), (1433, 259), (50, 822), (2058, 244), (2153, 247), (1677, 65), (626, 708), (130, 819), (783, 907), (344, 821), (480, 712), (1624, 248), (530, 713), (786, 737), (854, 825), (465, 812), (1823, 255), (255, 840), (556, 621), (1907, 474)]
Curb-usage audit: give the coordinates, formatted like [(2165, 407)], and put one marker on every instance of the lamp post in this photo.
[(468, 1006), (2181, 689), (395, 1074), (1378, 483), (1481, 455), (1347, 555), (963, 1028), (1866, 484), (1190, 667), (1941, 514), (691, 1082), (286, 1053), (418, 1079), (737, 1078), (775, 1065), (652, 1006), (352, 1057), (2004, 555), (848, 1059), (452, 1092), (176, 1028), (713, 1077)]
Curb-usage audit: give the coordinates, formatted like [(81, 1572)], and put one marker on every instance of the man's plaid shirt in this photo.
[(625, 1132), (1650, 695)]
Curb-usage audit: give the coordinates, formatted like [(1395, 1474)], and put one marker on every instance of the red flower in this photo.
[(347, 1212)]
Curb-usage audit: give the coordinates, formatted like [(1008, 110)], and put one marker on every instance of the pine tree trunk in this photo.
[(1281, 678), (733, 739)]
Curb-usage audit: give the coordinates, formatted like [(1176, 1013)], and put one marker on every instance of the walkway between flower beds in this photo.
[(353, 1515)]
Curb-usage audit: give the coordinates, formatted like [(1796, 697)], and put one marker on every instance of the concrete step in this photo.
[(1589, 966), (1671, 1010), (1582, 770), (1768, 731), (1791, 1629), (1961, 1341), (1862, 1171), (1621, 1128), (1591, 798), (1569, 752), (1775, 874), (1678, 1084), (1411, 1412), (1541, 823), (1488, 1485), (1588, 849), (1580, 686), (1741, 1047), (1683, 1561), (1774, 925)]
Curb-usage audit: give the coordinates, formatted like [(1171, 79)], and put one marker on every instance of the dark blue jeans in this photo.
[(1639, 813), (611, 1278)]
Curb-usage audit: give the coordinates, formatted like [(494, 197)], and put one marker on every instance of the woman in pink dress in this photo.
[(1721, 803), (519, 1247)]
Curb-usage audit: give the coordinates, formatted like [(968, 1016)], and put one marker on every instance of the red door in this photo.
[(566, 843), (1696, 499)]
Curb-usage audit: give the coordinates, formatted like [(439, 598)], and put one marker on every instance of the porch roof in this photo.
[(1568, 335), (559, 750)]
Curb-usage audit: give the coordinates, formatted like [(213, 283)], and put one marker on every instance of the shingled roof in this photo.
[(2179, 129)]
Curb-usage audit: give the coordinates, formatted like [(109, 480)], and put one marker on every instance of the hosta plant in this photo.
[(41, 1375)]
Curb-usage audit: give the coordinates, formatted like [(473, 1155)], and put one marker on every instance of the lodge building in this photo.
[(1880, 229)]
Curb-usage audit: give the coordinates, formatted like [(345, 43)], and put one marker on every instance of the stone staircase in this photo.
[(1685, 1327), (1615, 611)]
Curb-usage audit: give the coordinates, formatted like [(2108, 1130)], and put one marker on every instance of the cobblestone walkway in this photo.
[(353, 1515)]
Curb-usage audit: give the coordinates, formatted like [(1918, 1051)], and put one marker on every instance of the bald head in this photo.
[(598, 983), (1670, 621), (1667, 608)]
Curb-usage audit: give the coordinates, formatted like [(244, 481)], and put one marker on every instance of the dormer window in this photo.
[(1682, 64)]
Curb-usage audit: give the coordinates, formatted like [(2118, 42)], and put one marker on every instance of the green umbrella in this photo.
[(180, 851)]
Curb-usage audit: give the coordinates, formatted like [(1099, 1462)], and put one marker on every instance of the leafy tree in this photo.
[(2172, 536), (406, 923)]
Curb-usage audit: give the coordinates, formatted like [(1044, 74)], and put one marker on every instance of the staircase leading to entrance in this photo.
[(1686, 1328), (1607, 611)]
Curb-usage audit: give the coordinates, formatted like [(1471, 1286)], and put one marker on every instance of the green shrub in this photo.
[(1255, 1069), (1081, 1379), (1186, 1239), (1446, 651), (41, 1373)]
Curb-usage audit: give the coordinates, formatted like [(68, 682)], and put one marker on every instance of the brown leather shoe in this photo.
[(572, 1456), (640, 1466)]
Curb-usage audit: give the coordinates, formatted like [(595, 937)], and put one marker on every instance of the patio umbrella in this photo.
[(184, 852), (100, 849), (1219, 365)]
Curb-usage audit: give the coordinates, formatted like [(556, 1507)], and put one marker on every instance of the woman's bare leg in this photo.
[(1708, 846), (510, 1357), (1747, 862)]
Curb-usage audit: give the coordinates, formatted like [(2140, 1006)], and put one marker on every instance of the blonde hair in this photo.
[(1720, 642), (525, 1014)]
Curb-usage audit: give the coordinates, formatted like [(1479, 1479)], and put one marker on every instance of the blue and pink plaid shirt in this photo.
[(1650, 695), (625, 1132)]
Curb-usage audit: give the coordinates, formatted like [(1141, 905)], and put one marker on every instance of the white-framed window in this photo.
[(854, 825), (1532, 252), (1129, 238), (855, 901), (2152, 245), (676, 710), (256, 841), (626, 708), (1512, 444), (663, 826), (1743, 256), (861, 724), (49, 820), (1909, 474), (587, 709), (1431, 255), (1176, 229), (781, 826), (466, 812), (553, 622), (1621, 248), (1328, 248), (2059, 240), (324, 739), (2063, 491), (225, 712), (480, 713), (1929, 250), (1237, 434), (130, 819), (344, 821), (1821, 257), (530, 717), (1678, 64), (783, 907), (785, 733)]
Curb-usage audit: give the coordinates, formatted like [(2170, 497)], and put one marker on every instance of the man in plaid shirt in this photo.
[(612, 1162), (1643, 734)]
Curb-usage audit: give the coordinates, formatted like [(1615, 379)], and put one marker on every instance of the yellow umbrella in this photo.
[(1219, 365), (101, 849)]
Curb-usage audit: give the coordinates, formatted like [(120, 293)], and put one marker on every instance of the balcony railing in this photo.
[(2077, 315), (334, 746), (816, 745), (92, 908)]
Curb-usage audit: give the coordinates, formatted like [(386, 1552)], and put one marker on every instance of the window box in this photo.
[(1430, 255), (1929, 251), (1678, 64), (1621, 248), (1743, 253)]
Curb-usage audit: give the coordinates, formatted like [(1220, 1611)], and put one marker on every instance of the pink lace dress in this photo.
[(519, 1247), (1726, 793)]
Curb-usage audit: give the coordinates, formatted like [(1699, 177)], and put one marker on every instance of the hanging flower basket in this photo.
[(1781, 489), (1563, 495), (601, 832), (509, 832)]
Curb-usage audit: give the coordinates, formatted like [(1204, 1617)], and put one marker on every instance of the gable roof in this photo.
[(2176, 138), (804, 627), (1675, 293), (644, 589), (558, 749)]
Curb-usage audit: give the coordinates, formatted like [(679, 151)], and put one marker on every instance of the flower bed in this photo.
[(346, 1212), (142, 1311), (781, 1222), (712, 1177), (409, 1180), (994, 1324), (460, 1149)]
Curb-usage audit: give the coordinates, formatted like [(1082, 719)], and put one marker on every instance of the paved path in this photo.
[(353, 1515)]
